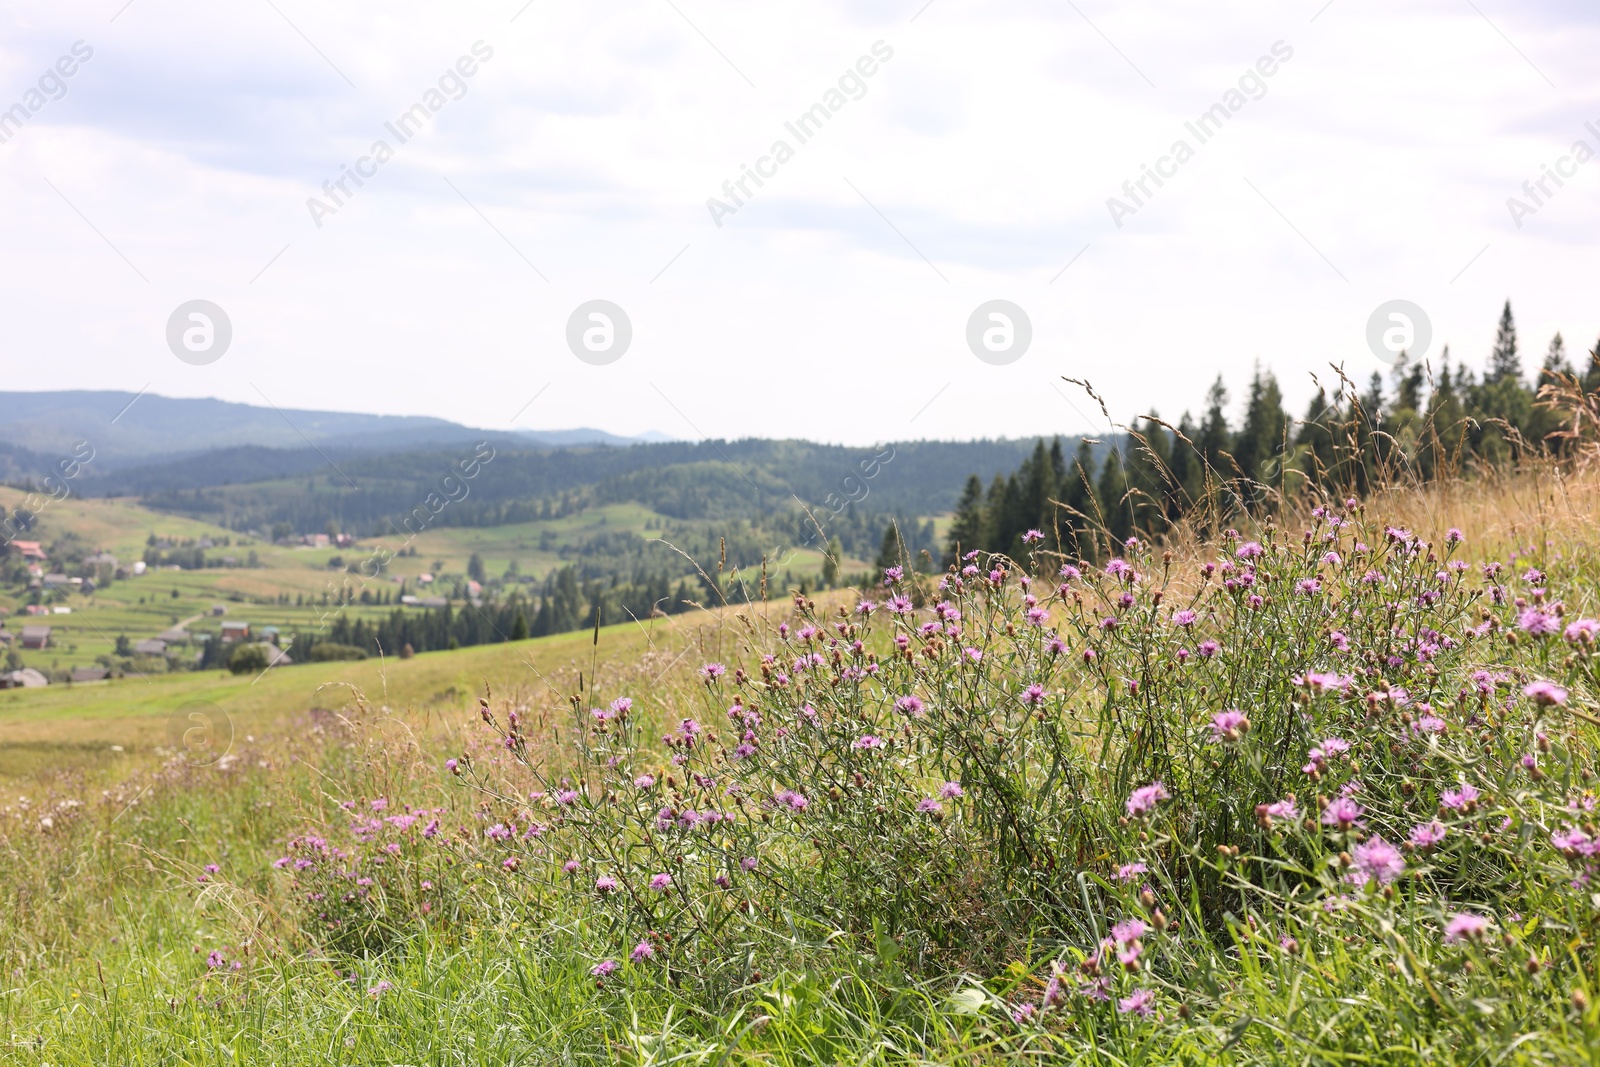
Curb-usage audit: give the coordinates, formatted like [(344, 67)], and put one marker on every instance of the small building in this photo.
[(175, 636), (87, 587), (315, 540), (60, 581), (29, 550), (35, 609), (433, 602), (150, 646), (36, 638), (219, 609), (26, 678), (235, 631), (269, 634), (90, 674), (138, 566), (60, 609), (424, 579), (410, 601)]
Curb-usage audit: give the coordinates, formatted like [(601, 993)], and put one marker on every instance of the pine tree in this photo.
[(966, 527), (1591, 370), (475, 568), (1504, 361), (1215, 438), (1555, 360), (832, 562)]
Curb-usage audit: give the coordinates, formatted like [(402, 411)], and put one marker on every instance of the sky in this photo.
[(962, 152)]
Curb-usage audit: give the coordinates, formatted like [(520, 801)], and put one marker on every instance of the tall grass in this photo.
[(1006, 814)]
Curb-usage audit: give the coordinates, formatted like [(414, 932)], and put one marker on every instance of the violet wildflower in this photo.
[(1376, 860), (950, 790), (712, 670), (1183, 617), (1023, 1013), (1229, 725), (1463, 799), (380, 989), (604, 968), (749, 863), (605, 884), (1428, 834), (1249, 550), (867, 741), (892, 575), (1207, 649), (644, 781), (1031, 536), (641, 952), (661, 882), (930, 806), (1465, 926), (1342, 812), (453, 766), (1140, 1002), (1545, 693), (1143, 800), (1537, 623), (909, 705), (1130, 871), (1582, 631), (1033, 695)]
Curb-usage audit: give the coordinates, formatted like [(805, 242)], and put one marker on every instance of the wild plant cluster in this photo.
[(1334, 789)]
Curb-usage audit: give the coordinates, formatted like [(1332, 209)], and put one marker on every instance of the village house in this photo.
[(36, 638), (29, 550), (235, 631)]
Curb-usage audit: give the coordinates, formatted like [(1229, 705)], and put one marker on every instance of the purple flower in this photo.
[(1033, 695), (1454, 536), (605, 884), (604, 968), (1463, 799), (1465, 926), (1342, 812), (930, 806), (380, 989), (1023, 1013), (661, 882), (1376, 860), (451, 765), (1183, 617), (712, 670), (644, 781), (641, 952), (1249, 550), (1228, 725), (1428, 834), (1129, 871), (1207, 649), (215, 960), (1537, 623), (867, 741), (1140, 1002), (570, 866), (1128, 931), (1031, 536), (1143, 800), (1582, 631), (1545, 693), (950, 790), (908, 706), (866, 607), (749, 863), (893, 574)]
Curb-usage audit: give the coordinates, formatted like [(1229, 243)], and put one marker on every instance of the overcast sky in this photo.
[(975, 163)]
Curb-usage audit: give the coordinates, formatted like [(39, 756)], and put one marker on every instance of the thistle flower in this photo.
[(1143, 801), (1229, 725), (641, 952), (1537, 623), (1033, 696), (1023, 1013), (950, 790), (1140, 1002), (1582, 631), (1465, 926), (930, 806), (380, 989), (661, 882), (908, 705), (1130, 871), (1545, 693), (1183, 617), (1376, 860), (1428, 834), (605, 884), (1249, 550), (603, 969), (1342, 812), (644, 781), (867, 741), (1031, 536), (1463, 799), (712, 670)]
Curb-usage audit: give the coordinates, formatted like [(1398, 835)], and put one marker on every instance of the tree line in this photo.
[(1426, 422)]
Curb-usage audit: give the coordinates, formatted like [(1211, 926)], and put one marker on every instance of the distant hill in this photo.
[(150, 429)]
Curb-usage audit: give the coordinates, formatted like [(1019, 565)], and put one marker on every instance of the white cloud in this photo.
[(1383, 151)]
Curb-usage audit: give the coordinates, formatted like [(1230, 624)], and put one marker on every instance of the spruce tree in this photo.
[(1504, 361)]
